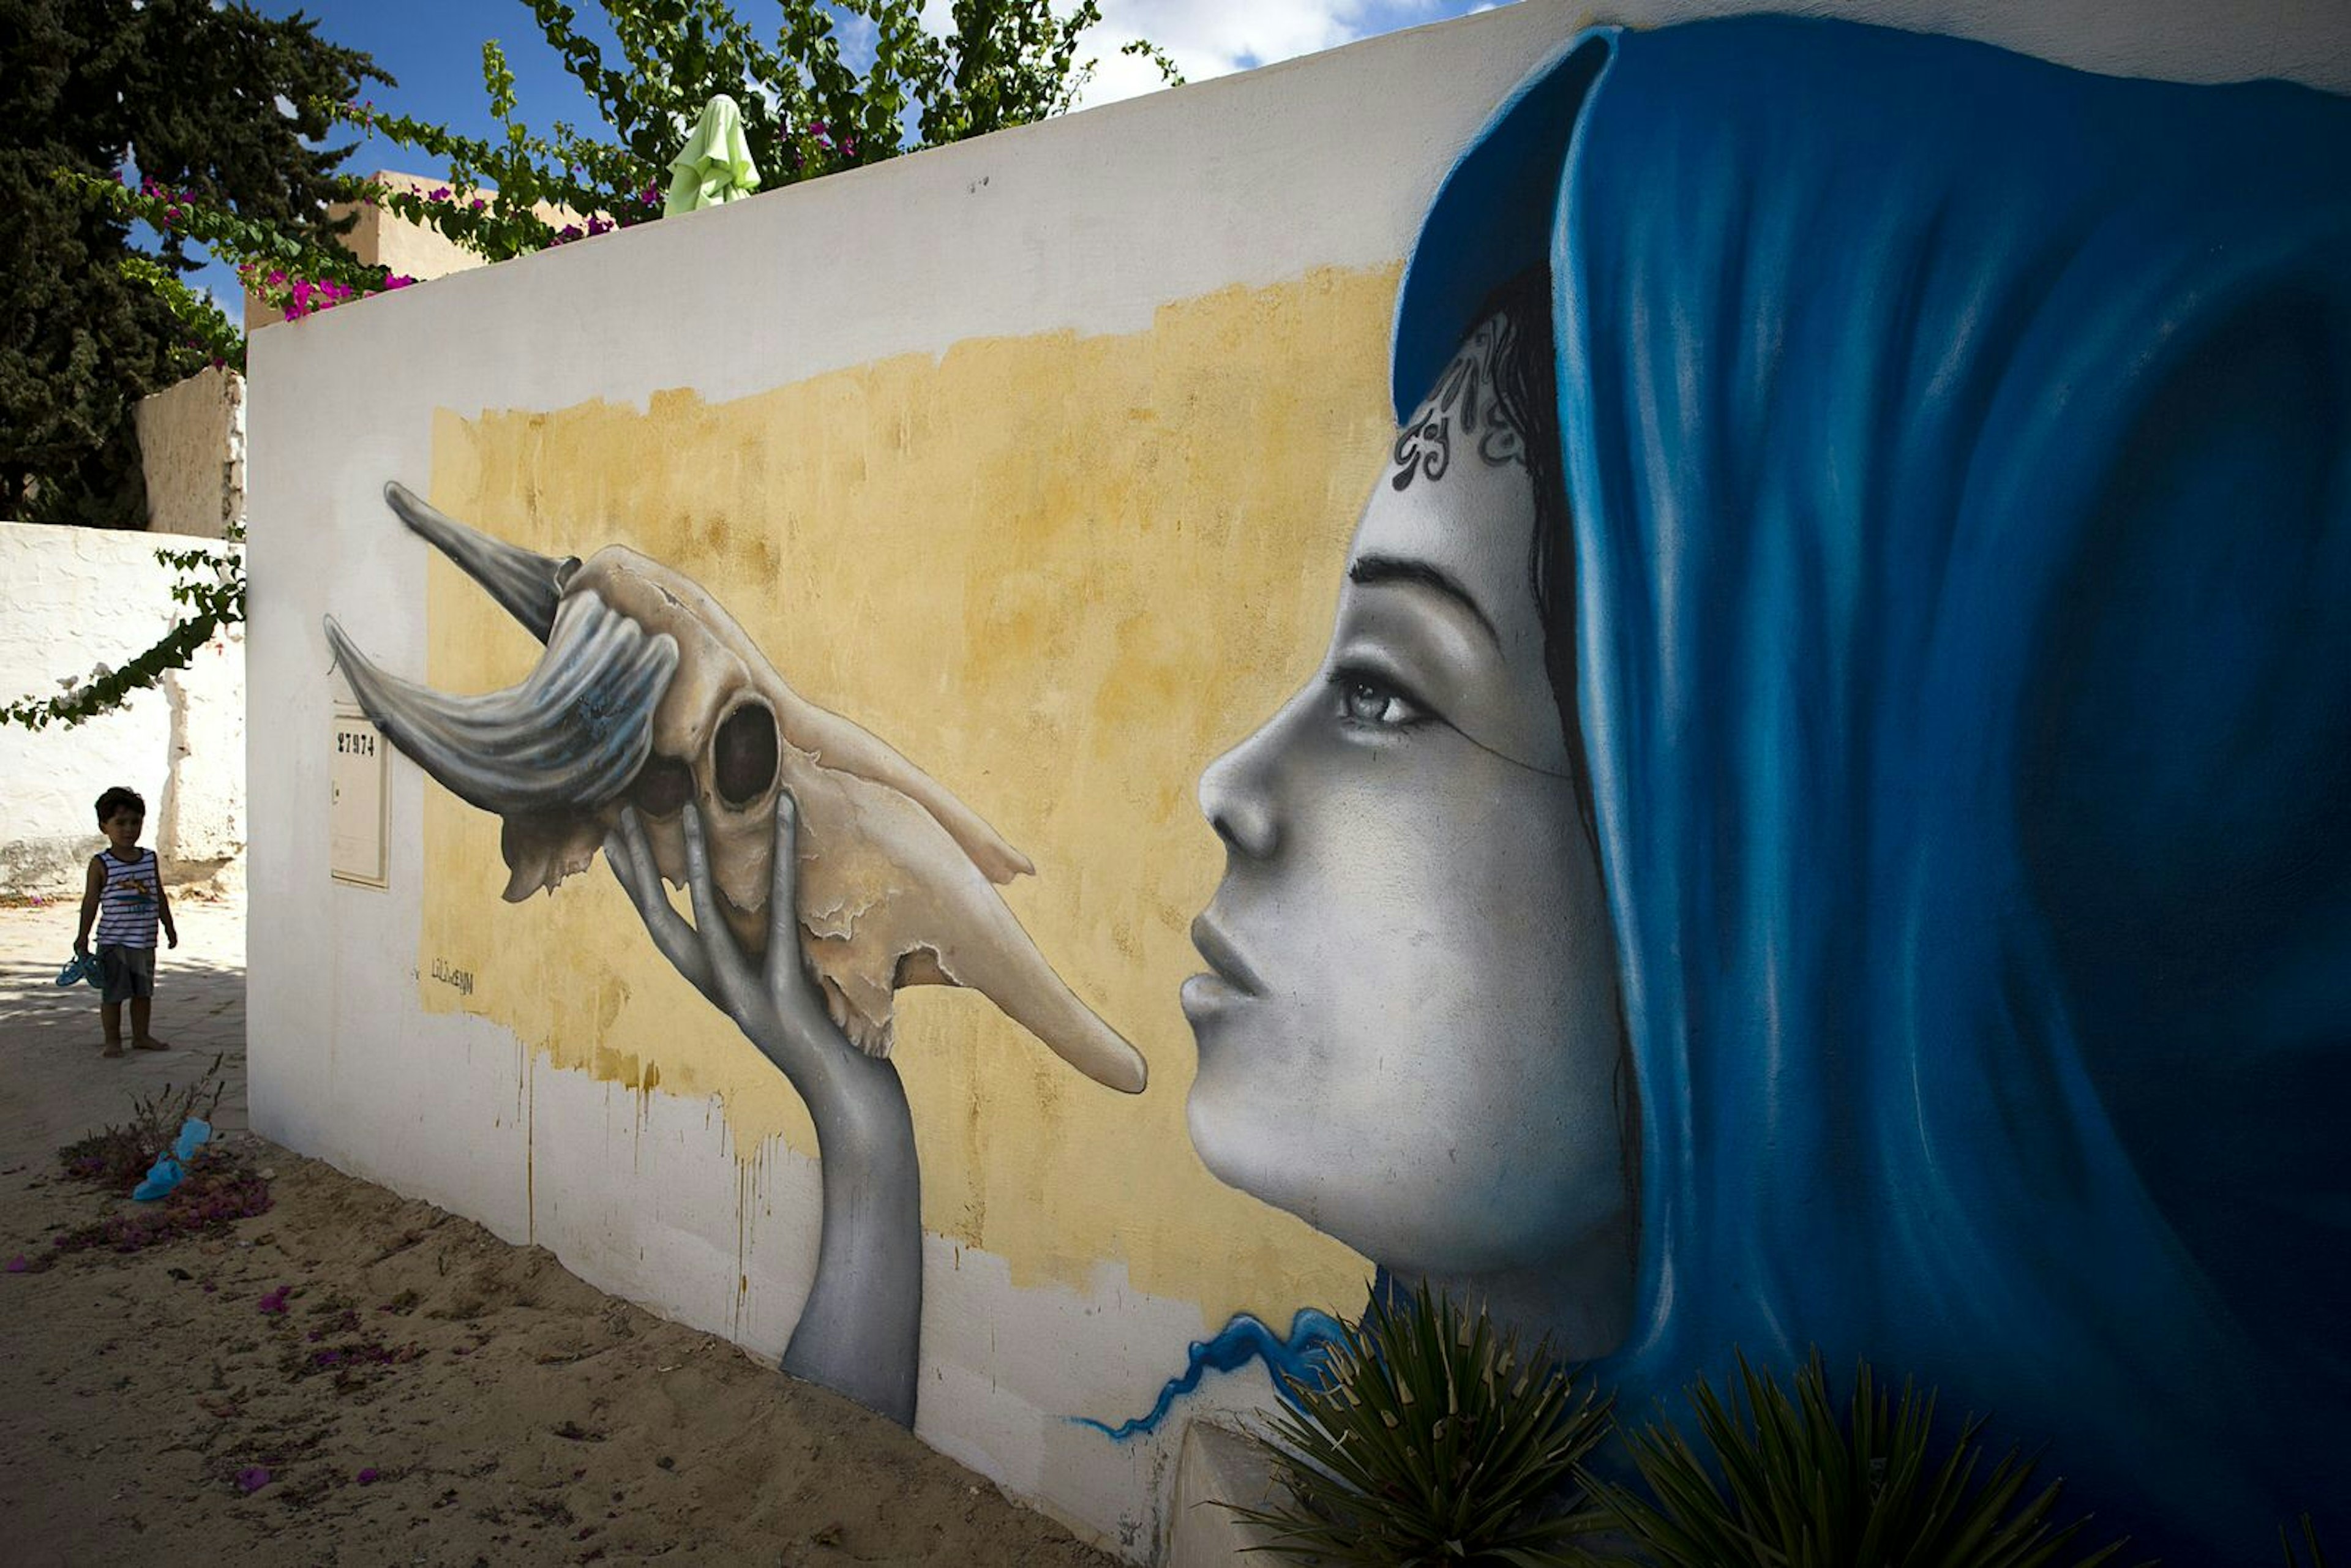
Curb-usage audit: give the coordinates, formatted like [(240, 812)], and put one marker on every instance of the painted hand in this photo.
[(771, 997), (861, 1330)]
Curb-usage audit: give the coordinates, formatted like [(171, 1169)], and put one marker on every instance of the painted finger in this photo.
[(633, 863), (653, 897), (732, 975), (790, 987), (616, 856), (783, 878), (624, 871)]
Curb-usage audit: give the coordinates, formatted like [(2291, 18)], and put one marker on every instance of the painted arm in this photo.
[(859, 1331), (92, 886)]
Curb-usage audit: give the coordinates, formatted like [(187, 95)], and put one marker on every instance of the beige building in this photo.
[(384, 239)]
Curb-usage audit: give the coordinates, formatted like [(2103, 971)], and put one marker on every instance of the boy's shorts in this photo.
[(126, 973)]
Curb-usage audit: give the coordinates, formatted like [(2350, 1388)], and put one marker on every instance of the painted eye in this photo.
[(1365, 701), (664, 786), (745, 754)]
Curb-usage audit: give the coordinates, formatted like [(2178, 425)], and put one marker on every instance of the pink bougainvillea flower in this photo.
[(368, 1477), (440, 193), (18, 1264), (274, 1301), (252, 1478)]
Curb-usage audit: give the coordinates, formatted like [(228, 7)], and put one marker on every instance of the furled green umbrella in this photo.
[(715, 165)]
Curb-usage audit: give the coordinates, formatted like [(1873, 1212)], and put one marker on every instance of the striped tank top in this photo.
[(127, 909)]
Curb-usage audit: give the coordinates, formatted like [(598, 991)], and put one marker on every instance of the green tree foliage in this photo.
[(225, 112), (210, 333), (215, 103), (840, 84)]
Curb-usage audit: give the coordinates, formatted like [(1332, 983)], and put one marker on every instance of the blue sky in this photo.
[(435, 49)]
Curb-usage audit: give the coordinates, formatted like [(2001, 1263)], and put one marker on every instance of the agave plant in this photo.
[(1429, 1437), (2309, 1542), (1805, 1482)]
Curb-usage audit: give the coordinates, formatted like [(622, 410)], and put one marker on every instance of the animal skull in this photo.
[(651, 695)]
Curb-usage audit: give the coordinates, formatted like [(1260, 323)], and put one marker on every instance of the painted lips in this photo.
[(1230, 978)]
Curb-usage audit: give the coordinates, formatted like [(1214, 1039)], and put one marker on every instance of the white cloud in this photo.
[(1211, 38), (1215, 37)]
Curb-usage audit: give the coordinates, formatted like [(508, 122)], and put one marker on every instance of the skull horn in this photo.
[(574, 733), (526, 584)]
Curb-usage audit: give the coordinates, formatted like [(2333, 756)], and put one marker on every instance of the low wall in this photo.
[(75, 598)]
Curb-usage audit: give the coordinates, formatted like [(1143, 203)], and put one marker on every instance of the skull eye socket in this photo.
[(663, 786), (742, 754)]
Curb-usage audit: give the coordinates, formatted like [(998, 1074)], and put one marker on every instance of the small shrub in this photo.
[(118, 1157), (220, 1188), (1807, 1483), (1429, 1438)]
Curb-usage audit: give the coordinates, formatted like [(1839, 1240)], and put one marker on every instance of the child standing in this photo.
[(124, 894)]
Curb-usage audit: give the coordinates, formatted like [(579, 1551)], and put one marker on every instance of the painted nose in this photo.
[(1236, 801)]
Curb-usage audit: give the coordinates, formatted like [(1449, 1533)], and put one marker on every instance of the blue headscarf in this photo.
[(1959, 454)]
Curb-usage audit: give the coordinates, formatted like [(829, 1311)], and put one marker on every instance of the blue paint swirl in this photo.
[(1243, 1339)]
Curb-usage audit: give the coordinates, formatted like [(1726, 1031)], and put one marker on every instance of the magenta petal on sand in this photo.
[(252, 1478), (17, 1264), (368, 1477)]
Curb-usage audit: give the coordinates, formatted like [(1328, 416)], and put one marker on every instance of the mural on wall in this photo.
[(1826, 818), (825, 872)]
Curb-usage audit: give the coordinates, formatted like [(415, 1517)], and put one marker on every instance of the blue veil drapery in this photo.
[(1959, 451)]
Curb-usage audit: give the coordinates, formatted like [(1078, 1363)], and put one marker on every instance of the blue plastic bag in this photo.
[(169, 1168), (194, 1135)]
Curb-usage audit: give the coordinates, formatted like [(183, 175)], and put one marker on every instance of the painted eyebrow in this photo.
[(1367, 571)]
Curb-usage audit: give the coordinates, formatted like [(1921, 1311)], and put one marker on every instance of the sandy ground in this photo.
[(413, 1389)]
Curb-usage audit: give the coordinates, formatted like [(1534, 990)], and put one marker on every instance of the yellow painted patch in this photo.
[(1061, 573)]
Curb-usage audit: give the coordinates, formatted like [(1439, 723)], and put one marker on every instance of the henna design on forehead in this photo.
[(1468, 395)]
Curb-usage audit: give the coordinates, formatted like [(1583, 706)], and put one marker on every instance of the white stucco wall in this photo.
[(1089, 223), (75, 598)]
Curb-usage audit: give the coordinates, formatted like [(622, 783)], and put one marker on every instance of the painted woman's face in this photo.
[(1408, 1032)]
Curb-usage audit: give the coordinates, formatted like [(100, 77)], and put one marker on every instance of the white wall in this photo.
[(76, 597), (1088, 223)]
